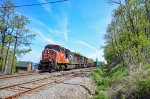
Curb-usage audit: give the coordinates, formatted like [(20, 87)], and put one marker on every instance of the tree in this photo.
[(5, 12), (128, 35), (90, 60), (15, 37), (78, 53)]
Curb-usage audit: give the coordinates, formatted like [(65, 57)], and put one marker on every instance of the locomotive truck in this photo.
[(55, 58)]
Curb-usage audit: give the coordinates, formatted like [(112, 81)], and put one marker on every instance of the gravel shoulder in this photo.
[(80, 87), (23, 79)]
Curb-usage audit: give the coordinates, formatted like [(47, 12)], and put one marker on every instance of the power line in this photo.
[(27, 5)]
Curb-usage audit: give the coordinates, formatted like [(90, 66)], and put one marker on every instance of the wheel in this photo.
[(39, 67), (53, 67), (59, 67), (66, 67), (63, 67)]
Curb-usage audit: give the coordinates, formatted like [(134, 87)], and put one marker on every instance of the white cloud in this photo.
[(62, 29), (33, 20), (29, 56), (95, 54), (63, 25), (47, 7), (46, 39), (42, 36), (62, 22), (40, 23), (87, 45)]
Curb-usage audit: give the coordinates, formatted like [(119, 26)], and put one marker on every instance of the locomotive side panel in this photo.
[(78, 62), (72, 60), (85, 62)]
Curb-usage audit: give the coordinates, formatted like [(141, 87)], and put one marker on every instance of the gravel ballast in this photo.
[(80, 87)]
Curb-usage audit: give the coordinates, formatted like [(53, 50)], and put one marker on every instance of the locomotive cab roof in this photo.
[(51, 46)]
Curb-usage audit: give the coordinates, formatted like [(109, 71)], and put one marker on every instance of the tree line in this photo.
[(15, 37), (128, 34), (127, 52)]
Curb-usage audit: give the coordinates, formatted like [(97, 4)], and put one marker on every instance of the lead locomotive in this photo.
[(55, 57)]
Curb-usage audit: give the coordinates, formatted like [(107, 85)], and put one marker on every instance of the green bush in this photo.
[(96, 75), (147, 65), (121, 72), (104, 83), (115, 68), (101, 96), (98, 71), (101, 81), (143, 89), (138, 87)]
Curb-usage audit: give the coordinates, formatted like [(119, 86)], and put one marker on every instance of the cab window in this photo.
[(56, 49)]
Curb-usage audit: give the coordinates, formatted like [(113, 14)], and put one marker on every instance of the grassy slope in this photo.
[(119, 83)]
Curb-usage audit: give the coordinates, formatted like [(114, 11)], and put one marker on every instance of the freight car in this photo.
[(55, 58)]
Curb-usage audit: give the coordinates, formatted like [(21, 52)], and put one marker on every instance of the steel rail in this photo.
[(15, 85), (38, 87), (18, 75)]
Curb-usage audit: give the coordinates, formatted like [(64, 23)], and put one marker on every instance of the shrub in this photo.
[(101, 96), (101, 81), (143, 89), (121, 72), (116, 82), (147, 65), (96, 75)]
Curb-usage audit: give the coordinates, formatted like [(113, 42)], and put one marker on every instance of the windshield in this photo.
[(54, 48)]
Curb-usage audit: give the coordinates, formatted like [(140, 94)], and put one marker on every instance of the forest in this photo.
[(127, 52)]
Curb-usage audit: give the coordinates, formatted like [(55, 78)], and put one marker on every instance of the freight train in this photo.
[(55, 58)]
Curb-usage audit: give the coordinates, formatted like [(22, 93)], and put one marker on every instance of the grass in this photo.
[(119, 83), (147, 66)]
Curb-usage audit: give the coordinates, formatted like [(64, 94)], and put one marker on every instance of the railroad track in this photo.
[(34, 85), (17, 75)]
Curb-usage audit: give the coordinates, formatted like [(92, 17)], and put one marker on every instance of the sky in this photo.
[(78, 25)]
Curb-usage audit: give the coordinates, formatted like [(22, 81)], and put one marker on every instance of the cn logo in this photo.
[(70, 57)]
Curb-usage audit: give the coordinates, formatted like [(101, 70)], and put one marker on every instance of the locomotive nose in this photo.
[(48, 55)]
